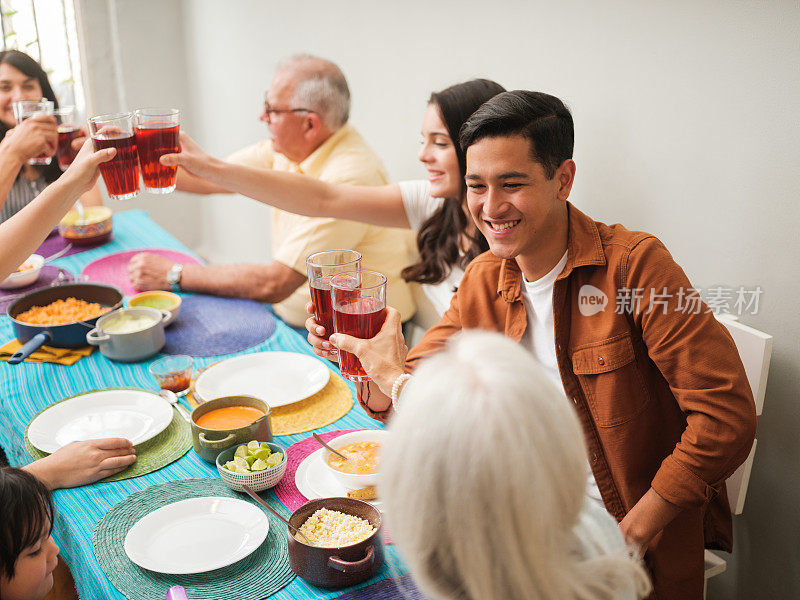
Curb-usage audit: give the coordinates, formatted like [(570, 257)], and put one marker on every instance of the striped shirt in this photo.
[(21, 194)]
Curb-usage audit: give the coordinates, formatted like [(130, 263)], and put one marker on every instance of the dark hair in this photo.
[(439, 237), (541, 118), (25, 64), (27, 510)]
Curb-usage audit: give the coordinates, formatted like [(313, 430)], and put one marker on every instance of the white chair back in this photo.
[(755, 350)]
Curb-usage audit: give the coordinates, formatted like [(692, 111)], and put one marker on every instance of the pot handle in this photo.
[(345, 566), (31, 346), (215, 444), (95, 338), (167, 317)]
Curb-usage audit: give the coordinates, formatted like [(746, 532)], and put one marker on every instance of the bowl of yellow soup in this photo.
[(159, 300), (229, 421), (362, 449), (94, 228)]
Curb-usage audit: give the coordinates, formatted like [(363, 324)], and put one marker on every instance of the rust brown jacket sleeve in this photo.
[(699, 361)]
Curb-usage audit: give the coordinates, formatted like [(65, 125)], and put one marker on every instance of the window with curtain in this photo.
[(46, 30)]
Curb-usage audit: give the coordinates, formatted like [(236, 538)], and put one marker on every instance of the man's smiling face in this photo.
[(514, 204)]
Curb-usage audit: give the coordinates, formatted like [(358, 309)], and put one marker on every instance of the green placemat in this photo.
[(167, 447), (257, 576)]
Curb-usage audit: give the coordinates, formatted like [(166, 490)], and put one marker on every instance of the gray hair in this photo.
[(321, 87), (483, 478)]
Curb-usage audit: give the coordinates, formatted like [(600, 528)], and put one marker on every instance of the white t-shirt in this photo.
[(420, 205), (540, 337)]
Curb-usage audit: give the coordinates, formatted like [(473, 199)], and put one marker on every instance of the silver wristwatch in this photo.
[(174, 277)]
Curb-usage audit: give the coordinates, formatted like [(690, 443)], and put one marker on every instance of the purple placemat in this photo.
[(286, 490), (400, 588), (47, 276), (55, 244), (210, 326), (113, 269)]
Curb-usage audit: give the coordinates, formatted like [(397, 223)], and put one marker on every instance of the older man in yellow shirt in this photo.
[(306, 108)]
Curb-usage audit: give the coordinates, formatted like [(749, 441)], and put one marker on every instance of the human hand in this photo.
[(82, 174), (81, 463), (191, 157), (149, 271), (320, 345), (35, 136), (383, 356)]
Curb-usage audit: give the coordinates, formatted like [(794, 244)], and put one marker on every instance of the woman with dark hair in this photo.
[(447, 238), (22, 78)]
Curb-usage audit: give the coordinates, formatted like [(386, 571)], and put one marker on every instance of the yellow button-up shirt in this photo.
[(343, 158)]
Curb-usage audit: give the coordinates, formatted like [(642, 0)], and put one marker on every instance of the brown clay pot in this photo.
[(336, 567)]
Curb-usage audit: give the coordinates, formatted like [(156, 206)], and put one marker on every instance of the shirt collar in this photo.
[(584, 247), (318, 157)]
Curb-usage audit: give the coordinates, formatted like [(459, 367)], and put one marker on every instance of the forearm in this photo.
[(647, 518), (21, 234), (92, 197), (254, 282), (186, 182), (41, 470)]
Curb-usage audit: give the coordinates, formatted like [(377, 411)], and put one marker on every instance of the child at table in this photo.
[(28, 554)]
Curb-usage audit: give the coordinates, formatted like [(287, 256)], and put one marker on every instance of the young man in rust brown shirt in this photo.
[(657, 382)]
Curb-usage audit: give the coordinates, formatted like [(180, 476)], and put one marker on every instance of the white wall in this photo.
[(687, 126), (133, 57)]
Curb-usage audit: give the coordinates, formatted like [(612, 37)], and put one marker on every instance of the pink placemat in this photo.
[(113, 269), (286, 490)]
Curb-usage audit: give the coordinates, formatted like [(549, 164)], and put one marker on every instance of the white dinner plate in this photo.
[(277, 378), (314, 480), (196, 535), (137, 415)]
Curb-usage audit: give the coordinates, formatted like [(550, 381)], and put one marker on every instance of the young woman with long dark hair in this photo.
[(22, 78), (447, 238)]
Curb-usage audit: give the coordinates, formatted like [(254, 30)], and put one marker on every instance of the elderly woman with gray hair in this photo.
[(483, 479)]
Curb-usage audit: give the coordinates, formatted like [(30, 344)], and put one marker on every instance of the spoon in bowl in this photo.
[(258, 499), (321, 441)]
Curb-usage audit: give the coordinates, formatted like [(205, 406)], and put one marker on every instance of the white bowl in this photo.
[(23, 278), (348, 480)]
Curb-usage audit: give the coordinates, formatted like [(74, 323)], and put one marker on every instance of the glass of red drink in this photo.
[(321, 267), (359, 309), (121, 173), (24, 109), (68, 130), (157, 132)]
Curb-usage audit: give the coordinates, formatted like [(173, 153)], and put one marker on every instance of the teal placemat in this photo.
[(167, 447), (258, 576)]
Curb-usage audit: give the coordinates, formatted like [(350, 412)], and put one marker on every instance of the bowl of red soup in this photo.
[(229, 421), (362, 449)]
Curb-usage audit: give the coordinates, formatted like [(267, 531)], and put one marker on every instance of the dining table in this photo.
[(27, 388)]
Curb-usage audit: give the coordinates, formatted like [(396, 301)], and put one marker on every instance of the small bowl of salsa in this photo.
[(173, 373), (362, 449)]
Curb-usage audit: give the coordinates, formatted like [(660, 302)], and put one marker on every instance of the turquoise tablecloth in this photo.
[(27, 388)]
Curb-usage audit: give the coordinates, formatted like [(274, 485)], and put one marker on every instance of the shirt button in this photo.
[(594, 457), (575, 401), (601, 360)]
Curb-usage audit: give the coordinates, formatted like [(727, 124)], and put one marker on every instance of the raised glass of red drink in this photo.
[(121, 173), (359, 309), (321, 267), (24, 109), (157, 132), (68, 131)]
